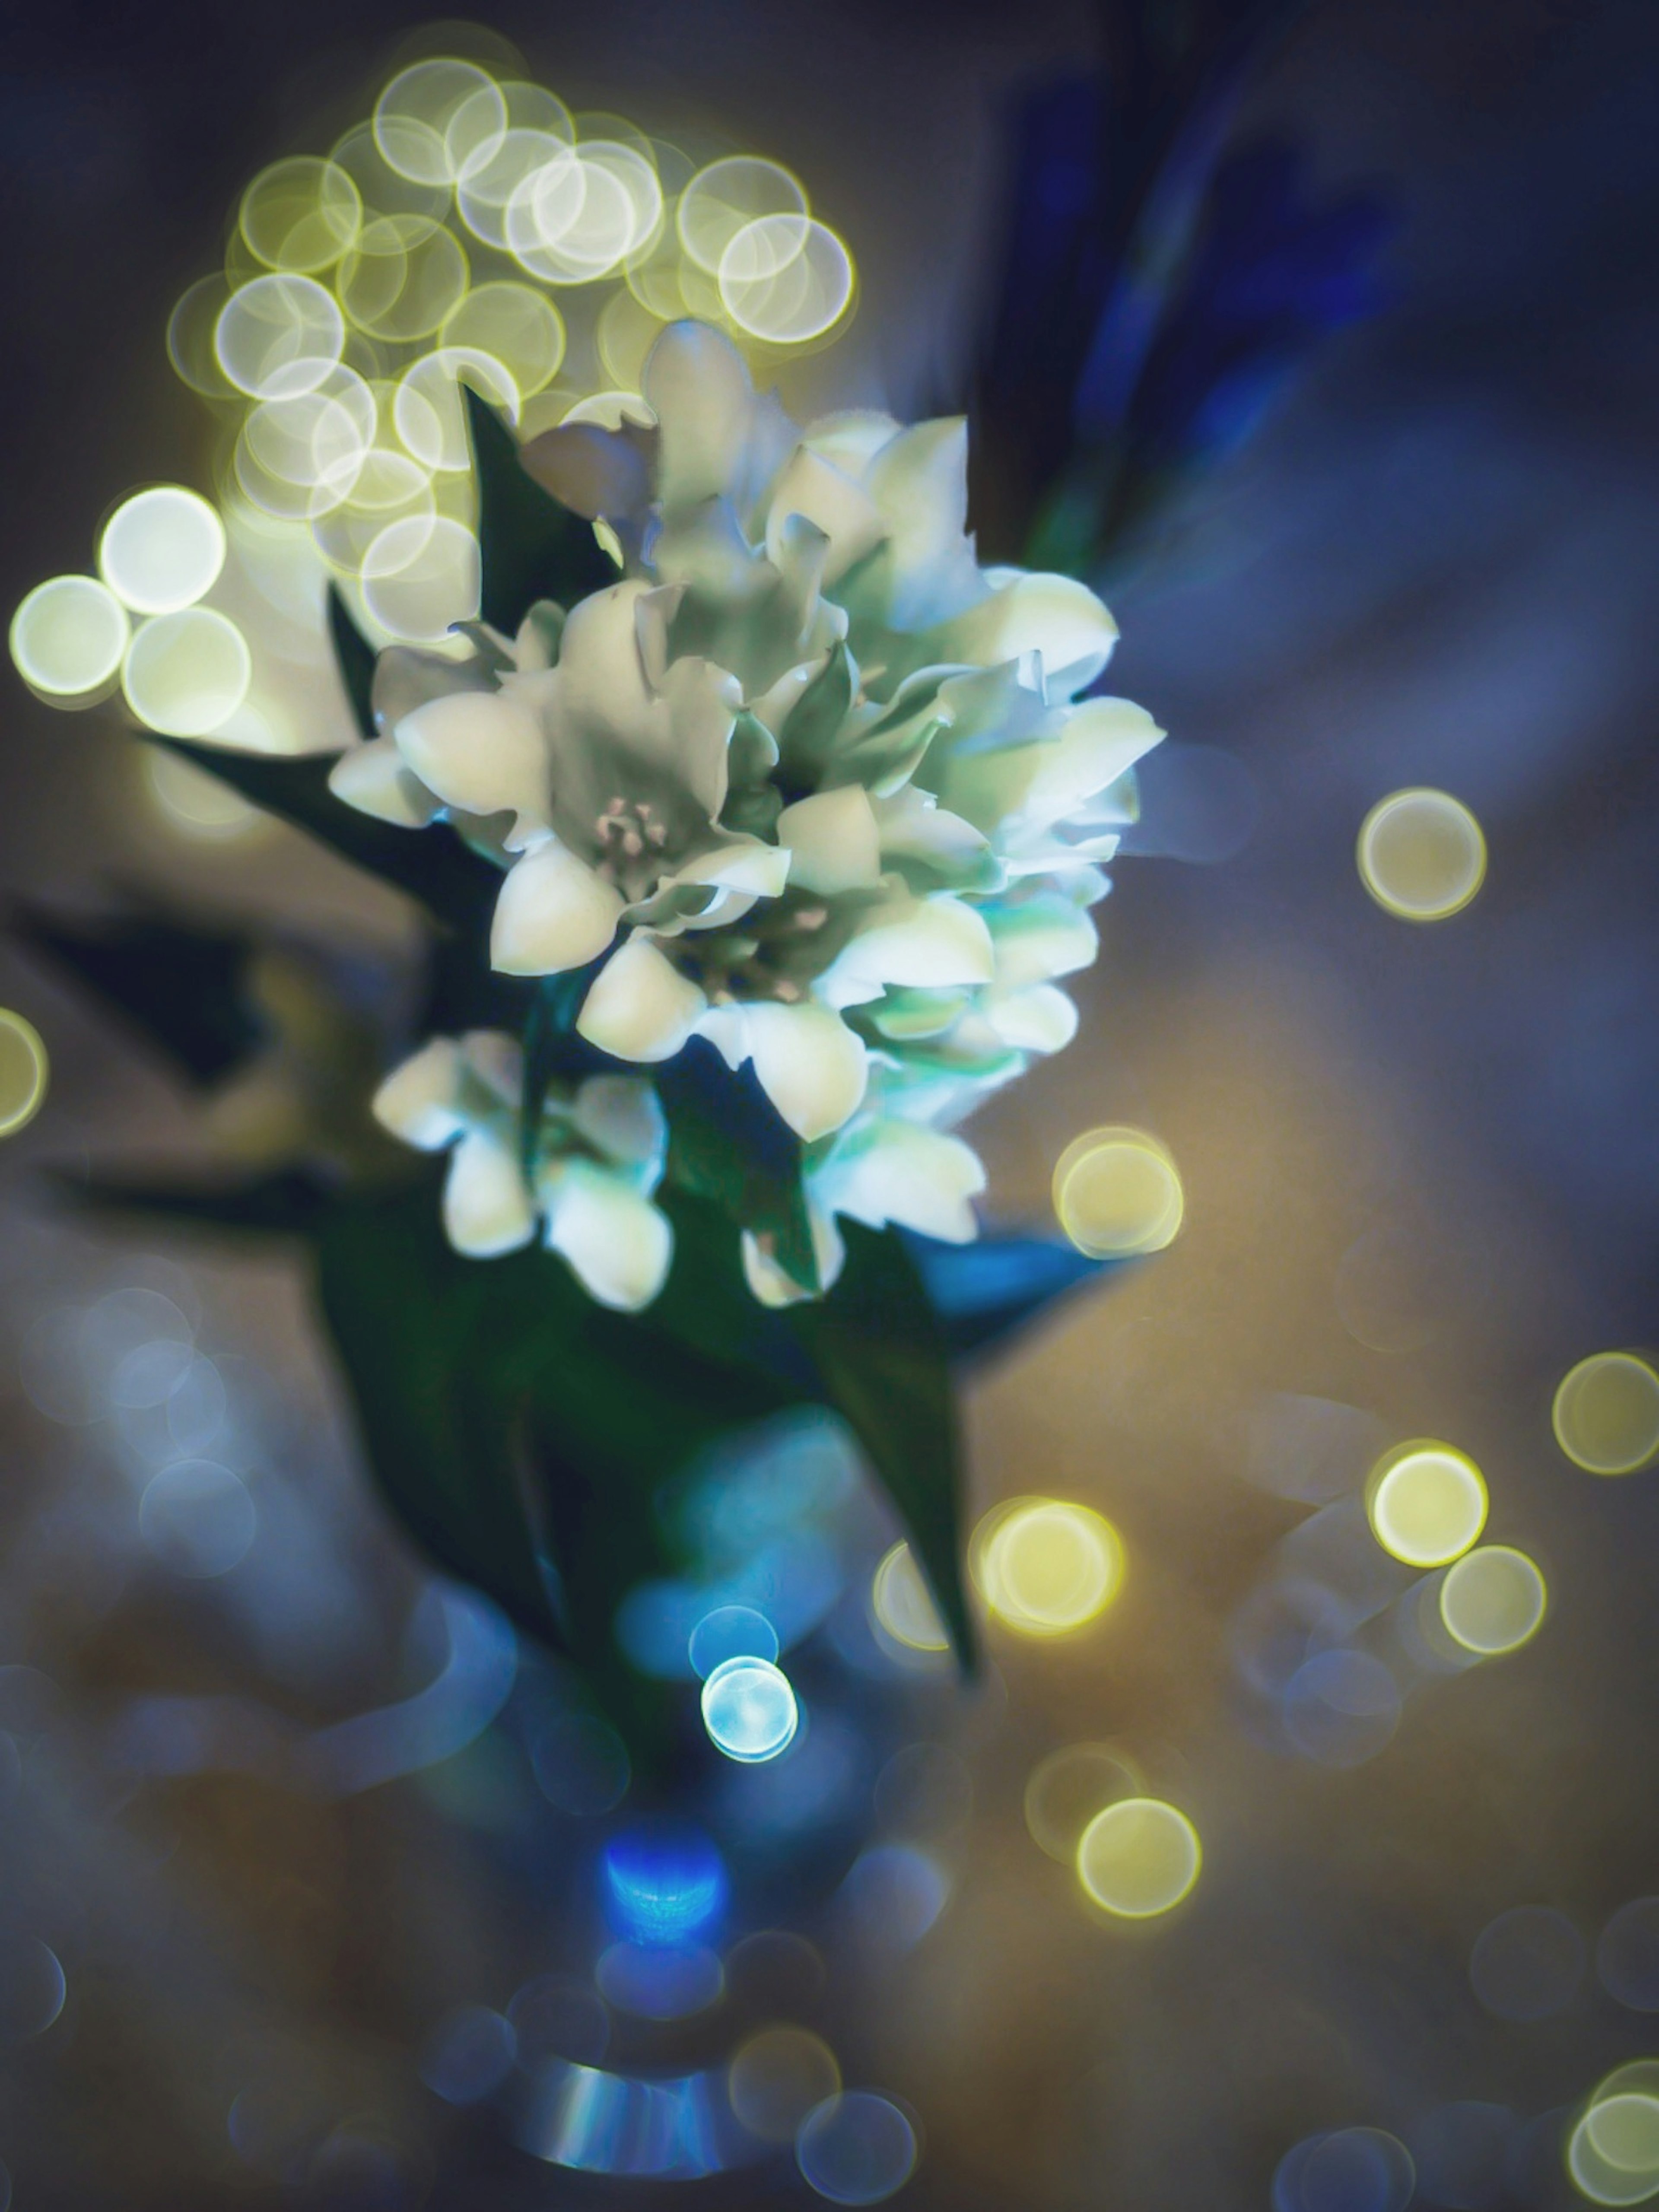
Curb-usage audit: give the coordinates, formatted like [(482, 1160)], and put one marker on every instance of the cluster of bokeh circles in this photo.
[(472, 225)]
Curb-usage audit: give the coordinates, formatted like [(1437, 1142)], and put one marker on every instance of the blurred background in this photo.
[(312, 1881)]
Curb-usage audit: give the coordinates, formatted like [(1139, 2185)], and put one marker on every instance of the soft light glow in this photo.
[(662, 1887), (1613, 2152), (24, 1072), (422, 576), (856, 2149), (722, 198), (749, 1710), (198, 1518), (513, 325), (1427, 1502), (1139, 1858), (279, 335), (414, 116), (730, 1632), (67, 637), (317, 441), (161, 550), (1065, 1791), (903, 1604), (1045, 1566), (186, 674), (430, 414), (1492, 1600), (1422, 855), (786, 279), (777, 2077), (403, 278), (1117, 1192), (300, 215), (1606, 1414), (199, 803)]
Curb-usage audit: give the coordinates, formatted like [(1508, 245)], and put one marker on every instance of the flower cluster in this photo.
[(805, 781)]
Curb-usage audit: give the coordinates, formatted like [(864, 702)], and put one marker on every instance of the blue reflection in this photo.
[(664, 1886), (659, 1984), (1350, 2169), (1341, 1708), (593, 2121)]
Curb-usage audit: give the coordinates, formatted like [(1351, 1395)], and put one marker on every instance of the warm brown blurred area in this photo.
[(1420, 1176)]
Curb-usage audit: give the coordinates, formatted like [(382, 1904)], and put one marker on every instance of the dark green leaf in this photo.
[(533, 548), (356, 657), (878, 1346), (810, 728), (987, 1292), (728, 1144), (455, 884), (178, 982)]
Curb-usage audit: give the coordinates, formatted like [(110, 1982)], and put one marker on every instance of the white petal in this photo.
[(616, 1241), (1040, 1019), (1054, 616), (918, 943), (497, 1061), (375, 780), (641, 1007), (1047, 936), (833, 842), (419, 1102), (745, 864), (1100, 740), (813, 488), (811, 1065), (621, 1117), (480, 751), (553, 913), (919, 483), (897, 1171), (769, 1281), (487, 1208), (851, 439), (695, 383)]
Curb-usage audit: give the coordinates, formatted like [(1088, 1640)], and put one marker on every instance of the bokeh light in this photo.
[(749, 1710), (1046, 1566), (1627, 1955), (1528, 1964), (903, 1604), (24, 1072), (1606, 1414), (730, 1632), (856, 2149), (1422, 855), (68, 638), (1613, 2152), (279, 335), (1346, 2170), (420, 576), (1427, 1502), (198, 1518), (580, 1764), (33, 1987), (662, 1887), (1117, 1192), (199, 805), (1342, 1707), (1492, 1600), (786, 279), (161, 550), (186, 674), (1064, 1792), (300, 215), (469, 2054), (777, 2077), (1139, 1858)]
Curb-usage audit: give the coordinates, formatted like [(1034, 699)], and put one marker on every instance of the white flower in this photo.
[(597, 1157), (807, 781)]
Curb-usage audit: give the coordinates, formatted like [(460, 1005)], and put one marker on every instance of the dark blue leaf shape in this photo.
[(985, 1292)]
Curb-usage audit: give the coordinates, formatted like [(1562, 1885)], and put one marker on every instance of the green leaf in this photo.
[(356, 657), (812, 725), (456, 886), (532, 547), (877, 1345), (520, 1430), (727, 1143), (178, 982)]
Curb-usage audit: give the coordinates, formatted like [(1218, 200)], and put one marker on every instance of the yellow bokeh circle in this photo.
[(1427, 1502), (1606, 1414), (1492, 1600), (1140, 1858), (1613, 2152), (1422, 855), (186, 674), (1066, 1790), (1117, 1192), (67, 636), (24, 1072), (161, 550), (903, 1604), (1046, 1566)]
